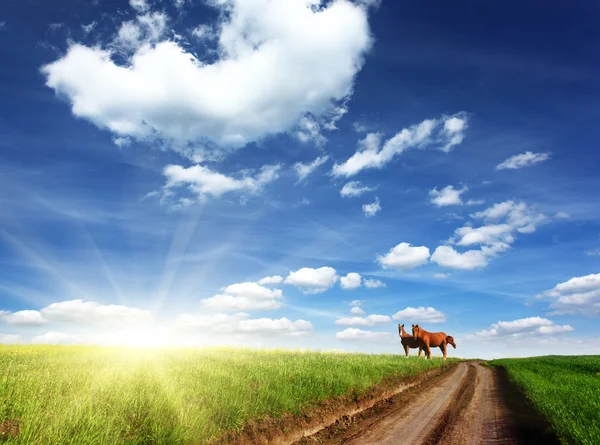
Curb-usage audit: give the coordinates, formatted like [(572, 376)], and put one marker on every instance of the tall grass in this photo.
[(565, 389), (90, 395)]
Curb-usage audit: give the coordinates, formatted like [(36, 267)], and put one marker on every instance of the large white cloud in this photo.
[(203, 182), (351, 281), (523, 160), (89, 312), (447, 196), (445, 132), (527, 326), (24, 318), (241, 324), (246, 296), (311, 280), (579, 295), (354, 334), (420, 314), (502, 223), (164, 90), (404, 256), (369, 320)]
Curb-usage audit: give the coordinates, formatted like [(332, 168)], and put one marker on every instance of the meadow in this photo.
[(92, 395), (565, 389)]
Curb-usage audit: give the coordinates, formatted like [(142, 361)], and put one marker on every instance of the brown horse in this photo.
[(432, 340), (409, 342)]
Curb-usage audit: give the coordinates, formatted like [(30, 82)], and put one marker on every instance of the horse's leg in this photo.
[(428, 350), (420, 350), (443, 347), (406, 350)]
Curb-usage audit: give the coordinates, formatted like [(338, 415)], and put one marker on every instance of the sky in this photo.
[(296, 174)]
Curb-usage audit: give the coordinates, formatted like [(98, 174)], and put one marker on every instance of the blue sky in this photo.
[(159, 158)]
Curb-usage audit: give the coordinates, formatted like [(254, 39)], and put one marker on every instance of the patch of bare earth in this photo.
[(9, 429), (330, 415)]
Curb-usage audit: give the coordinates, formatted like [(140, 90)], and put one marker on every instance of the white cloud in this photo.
[(357, 303), (147, 29), (369, 320), (308, 129), (371, 209), (275, 279), (371, 154), (446, 256), (89, 312), (164, 91), (404, 256), (303, 170), (331, 118), (579, 295), (205, 31), (139, 5), (475, 202), (420, 314), (240, 324), (353, 334), (523, 160), (26, 318), (246, 296), (447, 196), (9, 339), (89, 27), (503, 222), (122, 142), (357, 311), (355, 188), (351, 281), (203, 182), (593, 252), (179, 3), (372, 283), (523, 326), (313, 281), (441, 276), (55, 338)]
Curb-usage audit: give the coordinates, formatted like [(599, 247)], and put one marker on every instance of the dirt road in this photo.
[(471, 405)]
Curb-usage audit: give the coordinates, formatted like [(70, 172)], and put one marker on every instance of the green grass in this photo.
[(91, 395), (565, 389)]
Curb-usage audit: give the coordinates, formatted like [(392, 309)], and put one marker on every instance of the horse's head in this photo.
[(401, 330), (416, 330)]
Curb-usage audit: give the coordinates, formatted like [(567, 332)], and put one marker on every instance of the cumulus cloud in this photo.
[(523, 160), (275, 279), (24, 318), (369, 320), (447, 196), (354, 334), (404, 256), (351, 281), (163, 90), (502, 223), (372, 283), (313, 281), (371, 209), (203, 182), (304, 170), (357, 311), (354, 188), (241, 324), (420, 314), (446, 132), (245, 296), (308, 129), (89, 312), (579, 295), (531, 325)]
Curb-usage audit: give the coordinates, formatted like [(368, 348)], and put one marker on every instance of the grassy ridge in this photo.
[(565, 389), (89, 395)]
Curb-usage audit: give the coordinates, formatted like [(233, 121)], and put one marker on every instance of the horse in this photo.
[(409, 342), (432, 339)]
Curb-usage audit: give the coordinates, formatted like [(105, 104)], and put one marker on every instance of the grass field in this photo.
[(91, 395), (565, 389)]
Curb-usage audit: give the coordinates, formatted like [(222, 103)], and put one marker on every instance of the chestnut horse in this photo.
[(432, 340), (409, 342)]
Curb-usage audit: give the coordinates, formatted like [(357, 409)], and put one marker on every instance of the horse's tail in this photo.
[(450, 340)]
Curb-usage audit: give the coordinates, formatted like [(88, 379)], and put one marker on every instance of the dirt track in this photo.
[(471, 405)]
